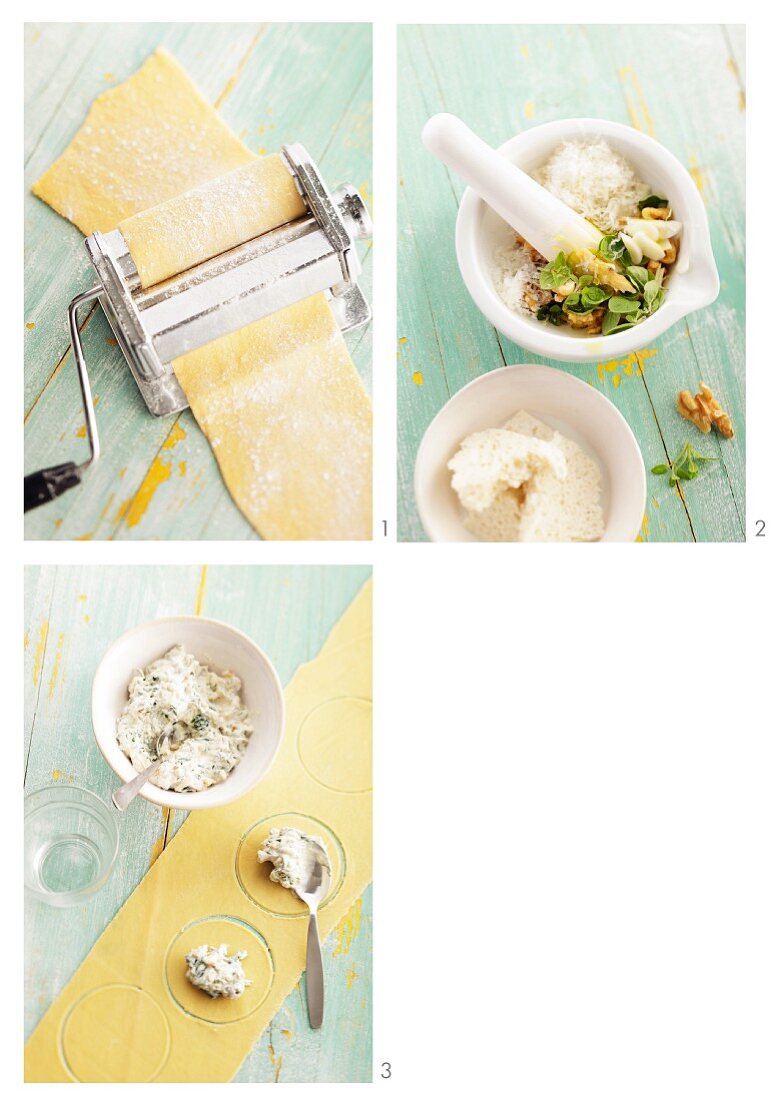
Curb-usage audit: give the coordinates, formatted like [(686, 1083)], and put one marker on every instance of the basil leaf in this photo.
[(593, 296), (638, 275), (610, 323), (650, 292), (618, 304), (555, 273), (661, 469), (653, 200)]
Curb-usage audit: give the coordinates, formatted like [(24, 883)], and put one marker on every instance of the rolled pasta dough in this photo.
[(280, 400), (218, 215)]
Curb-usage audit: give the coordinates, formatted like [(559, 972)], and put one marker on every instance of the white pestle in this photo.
[(541, 219)]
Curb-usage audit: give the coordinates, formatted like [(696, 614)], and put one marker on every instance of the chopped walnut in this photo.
[(535, 297), (656, 214), (704, 411), (671, 251), (536, 257), (591, 322)]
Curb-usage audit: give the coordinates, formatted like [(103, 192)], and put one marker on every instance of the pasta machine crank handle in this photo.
[(47, 484)]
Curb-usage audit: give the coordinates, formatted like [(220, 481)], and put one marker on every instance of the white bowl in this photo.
[(693, 283), (565, 403), (218, 645)]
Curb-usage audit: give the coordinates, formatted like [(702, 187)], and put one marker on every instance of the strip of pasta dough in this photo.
[(280, 400)]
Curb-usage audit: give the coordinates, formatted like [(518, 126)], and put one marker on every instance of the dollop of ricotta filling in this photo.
[(214, 971), (293, 854)]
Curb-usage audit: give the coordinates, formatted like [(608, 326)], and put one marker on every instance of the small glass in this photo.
[(70, 844)]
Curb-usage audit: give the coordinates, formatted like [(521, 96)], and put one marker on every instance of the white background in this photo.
[(572, 743)]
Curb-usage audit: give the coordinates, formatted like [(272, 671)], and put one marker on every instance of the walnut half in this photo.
[(704, 410)]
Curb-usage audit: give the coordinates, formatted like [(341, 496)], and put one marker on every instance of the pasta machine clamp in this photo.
[(314, 254)]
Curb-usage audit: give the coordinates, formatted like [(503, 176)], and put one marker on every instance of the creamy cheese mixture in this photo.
[(293, 855), (202, 710), (217, 973), (526, 482)]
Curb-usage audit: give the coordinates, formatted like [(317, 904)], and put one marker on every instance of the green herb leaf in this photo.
[(653, 200), (555, 273), (638, 275), (594, 296), (686, 465), (661, 469), (619, 304), (611, 247), (650, 292), (552, 313)]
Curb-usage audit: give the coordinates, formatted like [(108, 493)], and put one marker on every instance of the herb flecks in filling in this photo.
[(202, 712), (215, 972)]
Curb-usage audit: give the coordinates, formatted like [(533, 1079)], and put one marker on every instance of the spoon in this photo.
[(313, 890), (129, 791)]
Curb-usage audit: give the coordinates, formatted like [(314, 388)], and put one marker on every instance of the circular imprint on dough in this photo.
[(335, 743), (239, 936), (254, 877), (93, 1037)]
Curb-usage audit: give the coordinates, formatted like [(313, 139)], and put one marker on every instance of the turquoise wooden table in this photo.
[(683, 86), (72, 615), (273, 84)]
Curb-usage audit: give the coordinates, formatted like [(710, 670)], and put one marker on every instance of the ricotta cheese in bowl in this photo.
[(226, 726), (526, 482), (203, 713)]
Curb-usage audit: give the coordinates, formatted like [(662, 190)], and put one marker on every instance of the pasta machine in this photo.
[(154, 326)]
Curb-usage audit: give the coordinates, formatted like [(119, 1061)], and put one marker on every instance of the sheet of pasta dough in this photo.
[(306, 471), (216, 216), (128, 1014)]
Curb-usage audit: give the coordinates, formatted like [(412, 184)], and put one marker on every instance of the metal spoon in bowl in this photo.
[(313, 890), (129, 791)]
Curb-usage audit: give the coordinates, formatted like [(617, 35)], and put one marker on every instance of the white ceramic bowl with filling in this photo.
[(692, 284), (222, 648), (563, 402)]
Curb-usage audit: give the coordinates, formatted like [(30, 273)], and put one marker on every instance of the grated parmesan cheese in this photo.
[(594, 180)]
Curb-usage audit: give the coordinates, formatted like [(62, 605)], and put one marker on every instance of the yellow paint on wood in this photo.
[(696, 173), (30, 325), (40, 649), (418, 378), (530, 109), (174, 437), (201, 592), (642, 121), (159, 472), (348, 929), (56, 667), (232, 80)]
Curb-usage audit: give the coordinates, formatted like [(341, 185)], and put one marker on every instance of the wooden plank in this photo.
[(502, 80), (72, 615), (274, 84)]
